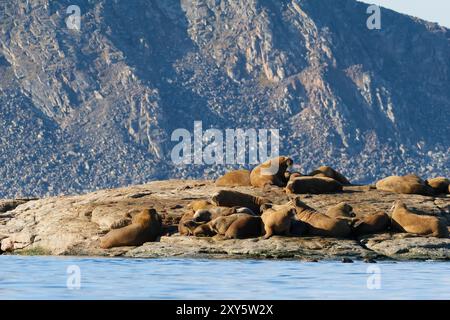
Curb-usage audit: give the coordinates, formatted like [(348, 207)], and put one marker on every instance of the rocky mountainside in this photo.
[(95, 108)]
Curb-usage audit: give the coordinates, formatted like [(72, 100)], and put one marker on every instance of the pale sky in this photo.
[(431, 10)]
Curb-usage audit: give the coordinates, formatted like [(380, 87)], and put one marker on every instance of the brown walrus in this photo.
[(342, 209), (292, 175), (326, 171), (220, 225), (298, 228), (200, 204), (409, 184), (316, 185), (372, 223), (278, 222), (145, 226), (190, 227), (405, 220), (183, 227), (204, 230), (245, 227), (319, 224), (271, 172), (206, 215), (228, 198), (440, 185), (234, 178)]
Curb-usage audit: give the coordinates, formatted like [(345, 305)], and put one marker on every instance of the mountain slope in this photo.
[(96, 108)]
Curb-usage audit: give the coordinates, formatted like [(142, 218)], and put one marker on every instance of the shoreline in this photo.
[(228, 258), (73, 225)]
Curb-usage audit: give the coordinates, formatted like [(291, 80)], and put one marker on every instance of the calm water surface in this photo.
[(121, 278)]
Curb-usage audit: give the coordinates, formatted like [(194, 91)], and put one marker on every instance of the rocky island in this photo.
[(73, 225)]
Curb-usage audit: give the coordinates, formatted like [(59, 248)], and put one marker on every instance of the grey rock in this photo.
[(407, 247), (73, 225)]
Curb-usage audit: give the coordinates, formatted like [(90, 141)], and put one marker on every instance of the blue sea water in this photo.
[(122, 278)]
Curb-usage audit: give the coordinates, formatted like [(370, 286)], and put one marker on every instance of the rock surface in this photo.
[(72, 225)]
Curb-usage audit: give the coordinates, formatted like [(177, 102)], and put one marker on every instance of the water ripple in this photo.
[(124, 278)]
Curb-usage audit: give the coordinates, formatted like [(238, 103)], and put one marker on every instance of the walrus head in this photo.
[(276, 166), (215, 198), (265, 206), (292, 212), (289, 189), (204, 230), (348, 209), (397, 204), (202, 215), (192, 225)]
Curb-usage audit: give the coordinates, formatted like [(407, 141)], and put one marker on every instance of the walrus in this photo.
[(271, 172), (190, 226), (245, 227), (228, 198), (342, 209), (319, 224), (326, 171), (316, 185), (221, 224), (145, 226), (292, 175), (405, 220), (440, 185), (183, 228), (204, 230), (278, 222), (409, 184), (234, 178), (206, 215), (372, 223), (200, 204)]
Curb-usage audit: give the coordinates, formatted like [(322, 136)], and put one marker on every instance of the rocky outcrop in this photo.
[(73, 225)]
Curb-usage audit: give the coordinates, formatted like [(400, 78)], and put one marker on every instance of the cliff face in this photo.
[(96, 108)]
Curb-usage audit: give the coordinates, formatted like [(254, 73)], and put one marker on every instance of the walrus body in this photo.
[(204, 230), (292, 175), (245, 227), (372, 223), (200, 204), (409, 184), (315, 185), (220, 225), (184, 228), (319, 224), (145, 226), (326, 171), (229, 198), (206, 215), (340, 210), (298, 228), (406, 221), (263, 174), (278, 222), (234, 178), (440, 185)]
